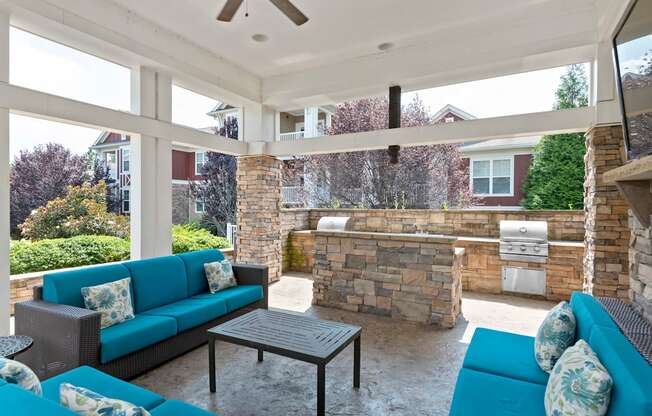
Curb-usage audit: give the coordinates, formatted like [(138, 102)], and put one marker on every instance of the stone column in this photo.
[(606, 263), (640, 269), (259, 213)]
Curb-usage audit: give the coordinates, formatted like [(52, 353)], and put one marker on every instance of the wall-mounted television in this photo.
[(633, 53)]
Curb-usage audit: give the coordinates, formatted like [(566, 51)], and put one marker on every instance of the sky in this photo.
[(43, 65)]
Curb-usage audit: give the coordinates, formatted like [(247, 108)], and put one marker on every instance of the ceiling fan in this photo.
[(290, 10)]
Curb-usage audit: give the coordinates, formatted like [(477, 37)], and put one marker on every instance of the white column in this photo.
[(259, 124), (311, 122), (604, 85), (4, 181), (151, 168), (329, 119)]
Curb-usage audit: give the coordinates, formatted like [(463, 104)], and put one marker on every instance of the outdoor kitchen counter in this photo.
[(490, 240), (415, 277)]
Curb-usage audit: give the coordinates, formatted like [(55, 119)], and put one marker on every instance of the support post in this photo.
[(310, 122), (4, 181), (394, 120), (151, 171)]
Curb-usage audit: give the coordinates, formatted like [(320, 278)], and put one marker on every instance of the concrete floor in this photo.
[(407, 369)]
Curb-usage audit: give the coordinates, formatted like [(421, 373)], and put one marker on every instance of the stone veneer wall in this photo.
[(606, 263), (640, 268), (415, 278), (259, 213), (295, 245)]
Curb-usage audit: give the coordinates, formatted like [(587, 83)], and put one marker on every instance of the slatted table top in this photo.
[(295, 336)]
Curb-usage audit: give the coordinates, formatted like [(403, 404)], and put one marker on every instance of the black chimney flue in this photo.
[(394, 120)]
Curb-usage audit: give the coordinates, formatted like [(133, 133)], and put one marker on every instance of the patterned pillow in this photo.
[(112, 299), (219, 275), (579, 384), (556, 333), (21, 375), (85, 402)]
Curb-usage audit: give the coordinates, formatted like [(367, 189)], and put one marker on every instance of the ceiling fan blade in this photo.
[(229, 10), (290, 11)]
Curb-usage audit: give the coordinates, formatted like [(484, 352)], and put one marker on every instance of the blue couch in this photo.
[(172, 304), (18, 402), (500, 376)]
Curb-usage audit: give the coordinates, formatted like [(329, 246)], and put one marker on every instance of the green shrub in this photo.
[(43, 255), (191, 237)]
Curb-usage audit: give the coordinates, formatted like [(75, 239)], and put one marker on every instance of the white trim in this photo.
[(491, 160), (198, 172), (198, 200), (450, 108)]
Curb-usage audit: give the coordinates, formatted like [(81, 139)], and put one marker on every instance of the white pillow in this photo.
[(556, 333), (579, 384), (112, 299), (219, 275), (85, 402), (14, 372)]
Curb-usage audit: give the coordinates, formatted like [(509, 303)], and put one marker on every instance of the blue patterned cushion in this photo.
[(579, 384), (85, 402), (112, 299), (219, 275), (21, 375), (556, 333)]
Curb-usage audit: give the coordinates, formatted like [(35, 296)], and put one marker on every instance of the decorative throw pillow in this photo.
[(556, 333), (219, 275), (14, 372), (112, 299), (85, 402), (579, 384)]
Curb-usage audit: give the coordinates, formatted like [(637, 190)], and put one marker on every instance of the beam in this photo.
[(4, 182), (534, 124), (25, 101)]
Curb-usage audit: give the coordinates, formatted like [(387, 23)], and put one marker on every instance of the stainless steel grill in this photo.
[(335, 224), (525, 241)]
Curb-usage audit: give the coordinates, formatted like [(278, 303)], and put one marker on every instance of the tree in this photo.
[(217, 188), (425, 176), (41, 175), (555, 178)]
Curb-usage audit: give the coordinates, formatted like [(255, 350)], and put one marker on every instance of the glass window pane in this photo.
[(501, 186), (480, 168), (502, 168), (481, 186)]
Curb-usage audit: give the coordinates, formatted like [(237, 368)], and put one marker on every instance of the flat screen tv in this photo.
[(633, 53)]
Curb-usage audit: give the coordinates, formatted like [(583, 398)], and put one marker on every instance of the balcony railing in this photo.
[(291, 194), (295, 135)]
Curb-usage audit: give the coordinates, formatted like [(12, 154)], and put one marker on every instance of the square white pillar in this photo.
[(4, 181), (151, 172), (311, 122)]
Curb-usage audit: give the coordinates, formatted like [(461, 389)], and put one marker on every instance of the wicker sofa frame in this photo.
[(66, 337)]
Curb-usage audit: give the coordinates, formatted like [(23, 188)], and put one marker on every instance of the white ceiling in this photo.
[(342, 30)]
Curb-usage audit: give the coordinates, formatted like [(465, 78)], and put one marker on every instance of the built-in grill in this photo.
[(335, 224), (525, 241)]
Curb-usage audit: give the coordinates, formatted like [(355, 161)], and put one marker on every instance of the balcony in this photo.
[(295, 135)]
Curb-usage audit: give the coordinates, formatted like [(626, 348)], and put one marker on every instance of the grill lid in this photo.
[(335, 224), (524, 231)]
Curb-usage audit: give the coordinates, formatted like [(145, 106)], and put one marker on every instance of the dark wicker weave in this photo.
[(636, 328), (66, 337)]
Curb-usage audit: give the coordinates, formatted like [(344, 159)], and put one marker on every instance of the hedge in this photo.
[(43, 255)]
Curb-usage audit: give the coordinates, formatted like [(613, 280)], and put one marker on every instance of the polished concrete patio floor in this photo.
[(407, 369)]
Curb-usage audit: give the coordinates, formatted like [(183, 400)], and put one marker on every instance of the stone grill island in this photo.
[(413, 277)]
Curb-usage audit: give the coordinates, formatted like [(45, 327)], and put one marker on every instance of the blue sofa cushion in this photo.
[(632, 375), (176, 408), (133, 335), (194, 262), (588, 312), (103, 384), (190, 313), (15, 401), (478, 393), (504, 354), (158, 281), (65, 287), (235, 297)]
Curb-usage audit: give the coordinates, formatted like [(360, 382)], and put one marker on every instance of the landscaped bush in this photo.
[(43, 255), (191, 237)]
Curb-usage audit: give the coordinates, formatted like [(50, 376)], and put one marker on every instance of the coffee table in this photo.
[(299, 337), (12, 345)]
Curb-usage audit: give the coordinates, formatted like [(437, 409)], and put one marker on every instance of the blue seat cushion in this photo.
[(632, 375), (158, 281), (504, 354), (588, 312), (478, 393), (15, 401), (103, 384), (235, 297), (142, 331), (65, 287), (194, 262), (177, 408), (190, 313)]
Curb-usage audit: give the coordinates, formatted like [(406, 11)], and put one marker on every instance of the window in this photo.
[(449, 119), (200, 161), (125, 201), (492, 176), (125, 159), (200, 206)]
